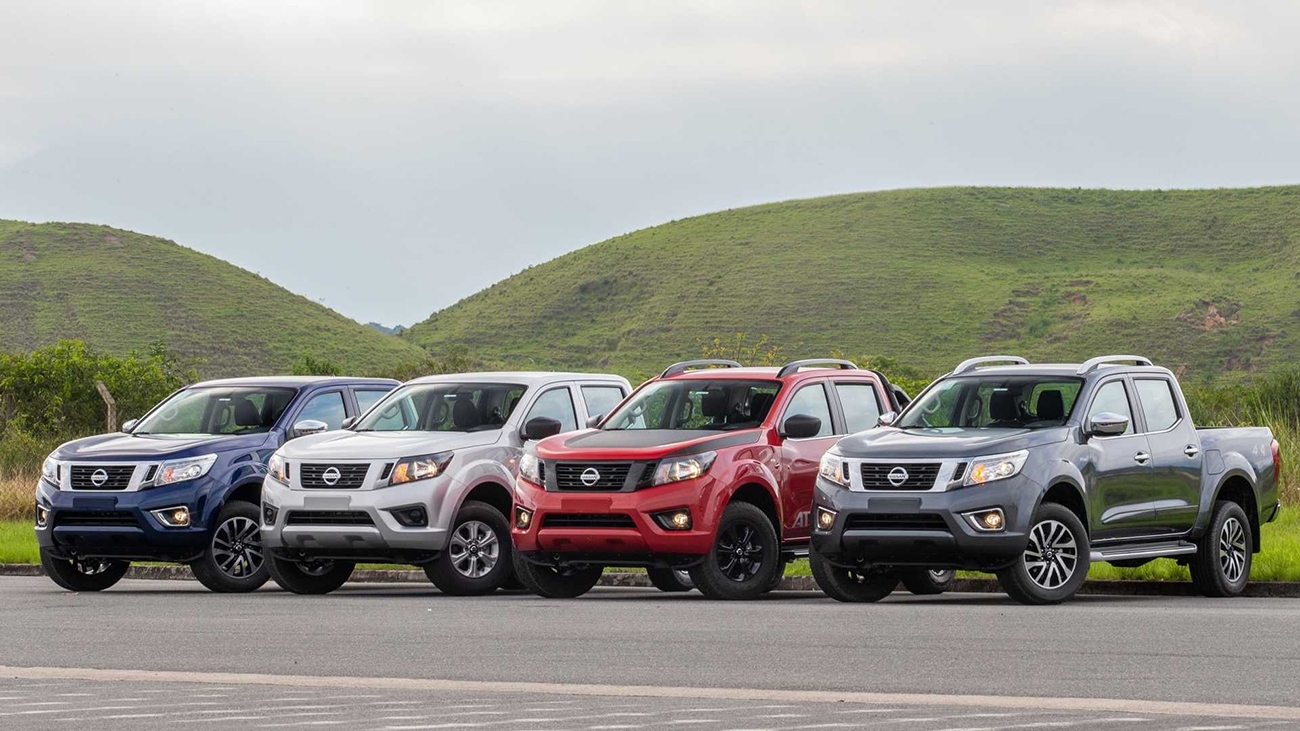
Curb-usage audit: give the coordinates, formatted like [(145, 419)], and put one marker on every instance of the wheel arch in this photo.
[(1236, 487), (493, 493), (1067, 492), (762, 497)]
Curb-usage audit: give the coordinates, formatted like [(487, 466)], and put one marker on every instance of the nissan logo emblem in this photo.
[(331, 476), (99, 477), (897, 476), (590, 476)]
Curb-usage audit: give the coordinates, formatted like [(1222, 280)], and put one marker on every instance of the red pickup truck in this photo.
[(708, 469)]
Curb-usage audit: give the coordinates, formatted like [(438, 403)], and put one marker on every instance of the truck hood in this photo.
[(890, 443), (154, 446), (639, 444), (350, 445)]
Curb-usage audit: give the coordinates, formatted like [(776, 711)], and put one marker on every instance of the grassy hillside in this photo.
[(119, 290), (1204, 280)]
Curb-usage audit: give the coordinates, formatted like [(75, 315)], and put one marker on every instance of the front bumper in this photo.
[(121, 524), (645, 543), (924, 528), (381, 536)]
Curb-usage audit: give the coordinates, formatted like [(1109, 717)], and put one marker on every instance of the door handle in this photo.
[(1191, 451), (1141, 458)]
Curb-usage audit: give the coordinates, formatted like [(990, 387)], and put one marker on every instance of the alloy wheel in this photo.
[(739, 552), (941, 575), (237, 547), (90, 567), (474, 549), (1232, 550), (1052, 554)]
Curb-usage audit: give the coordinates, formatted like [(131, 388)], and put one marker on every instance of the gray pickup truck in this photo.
[(1035, 471)]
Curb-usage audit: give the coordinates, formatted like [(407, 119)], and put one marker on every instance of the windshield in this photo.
[(444, 407), (994, 402), (250, 410), (696, 404)]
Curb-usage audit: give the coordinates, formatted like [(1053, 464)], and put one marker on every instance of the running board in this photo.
[(1146, 550)]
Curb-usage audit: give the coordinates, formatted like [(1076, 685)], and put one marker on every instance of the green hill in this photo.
[(1204, 280), (119, 290)]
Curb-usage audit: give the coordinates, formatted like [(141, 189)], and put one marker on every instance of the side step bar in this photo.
[(1144, 550)]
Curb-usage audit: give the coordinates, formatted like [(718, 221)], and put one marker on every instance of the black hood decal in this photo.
[(651, 438)]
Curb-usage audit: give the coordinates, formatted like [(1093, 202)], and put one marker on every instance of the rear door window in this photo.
[(601, 400), (1158, 405), (861, 405)]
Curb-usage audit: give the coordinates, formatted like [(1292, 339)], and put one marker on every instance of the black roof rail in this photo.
[(690, 365), (794, 366), (1094, 363)]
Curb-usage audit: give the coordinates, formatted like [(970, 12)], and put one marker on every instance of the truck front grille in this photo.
[(896, 521), (588, 520), (98, 477), (350, 476), (115, 518), (328, 517), (920, 475), (599, 476)]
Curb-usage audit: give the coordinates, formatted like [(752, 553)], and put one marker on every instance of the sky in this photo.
[(389, 158)]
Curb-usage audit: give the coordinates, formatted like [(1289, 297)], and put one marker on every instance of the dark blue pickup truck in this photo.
[(183, 483)]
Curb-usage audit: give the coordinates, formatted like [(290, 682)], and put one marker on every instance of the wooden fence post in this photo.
[(108, 401)]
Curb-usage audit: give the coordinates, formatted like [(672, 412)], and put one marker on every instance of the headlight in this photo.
[(50, 470), (995, 467), (181, 470), (529, 469), (833, 468), (685, 468), (277, 468), (419, 468)]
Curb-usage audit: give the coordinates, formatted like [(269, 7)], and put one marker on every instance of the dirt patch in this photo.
[(112, 240), (1075, 297), (1207, 315)]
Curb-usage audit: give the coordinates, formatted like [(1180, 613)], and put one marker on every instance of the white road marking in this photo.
[(1091, 705)]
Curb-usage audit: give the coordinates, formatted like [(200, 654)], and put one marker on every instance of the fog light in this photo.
[(269, 514), (987, 521), (42, 516), (825, 518), (679, 519), (523, 518), (411, 516), (175, 517)]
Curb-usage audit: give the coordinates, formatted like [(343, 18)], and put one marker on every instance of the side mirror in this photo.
[(348, 422), (801, 426), (594, 421), (129, 424), (1107, 424), (887, 418), (540, 427), (309, 426)]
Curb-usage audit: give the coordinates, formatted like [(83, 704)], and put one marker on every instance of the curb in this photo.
[(1269, 589)]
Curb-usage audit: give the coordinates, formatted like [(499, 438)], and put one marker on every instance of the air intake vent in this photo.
[(587, 520), (83, 518), (896, 521), (328, 517)]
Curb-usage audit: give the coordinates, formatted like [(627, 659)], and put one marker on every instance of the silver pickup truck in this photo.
[(425, 477), (1035, 471)]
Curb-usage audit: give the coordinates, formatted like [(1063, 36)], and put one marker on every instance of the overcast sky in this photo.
[(389, 158)]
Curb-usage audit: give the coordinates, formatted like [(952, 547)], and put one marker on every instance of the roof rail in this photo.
[(970, 364), (794, 366), (1093, 363), (689, 365)]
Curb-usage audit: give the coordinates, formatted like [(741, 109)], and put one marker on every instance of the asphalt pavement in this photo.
[(1094, 661)]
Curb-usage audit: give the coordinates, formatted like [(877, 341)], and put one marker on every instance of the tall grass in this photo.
[(17, 496)]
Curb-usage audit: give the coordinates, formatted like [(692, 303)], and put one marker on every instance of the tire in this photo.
[(928, 582), (317, 577), (234, 561), (777, 578), (83, 575), (745, 556), (1221, 565), (567, 583), (477, 558), (846, 585), (670, 580), (1055, 562)]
